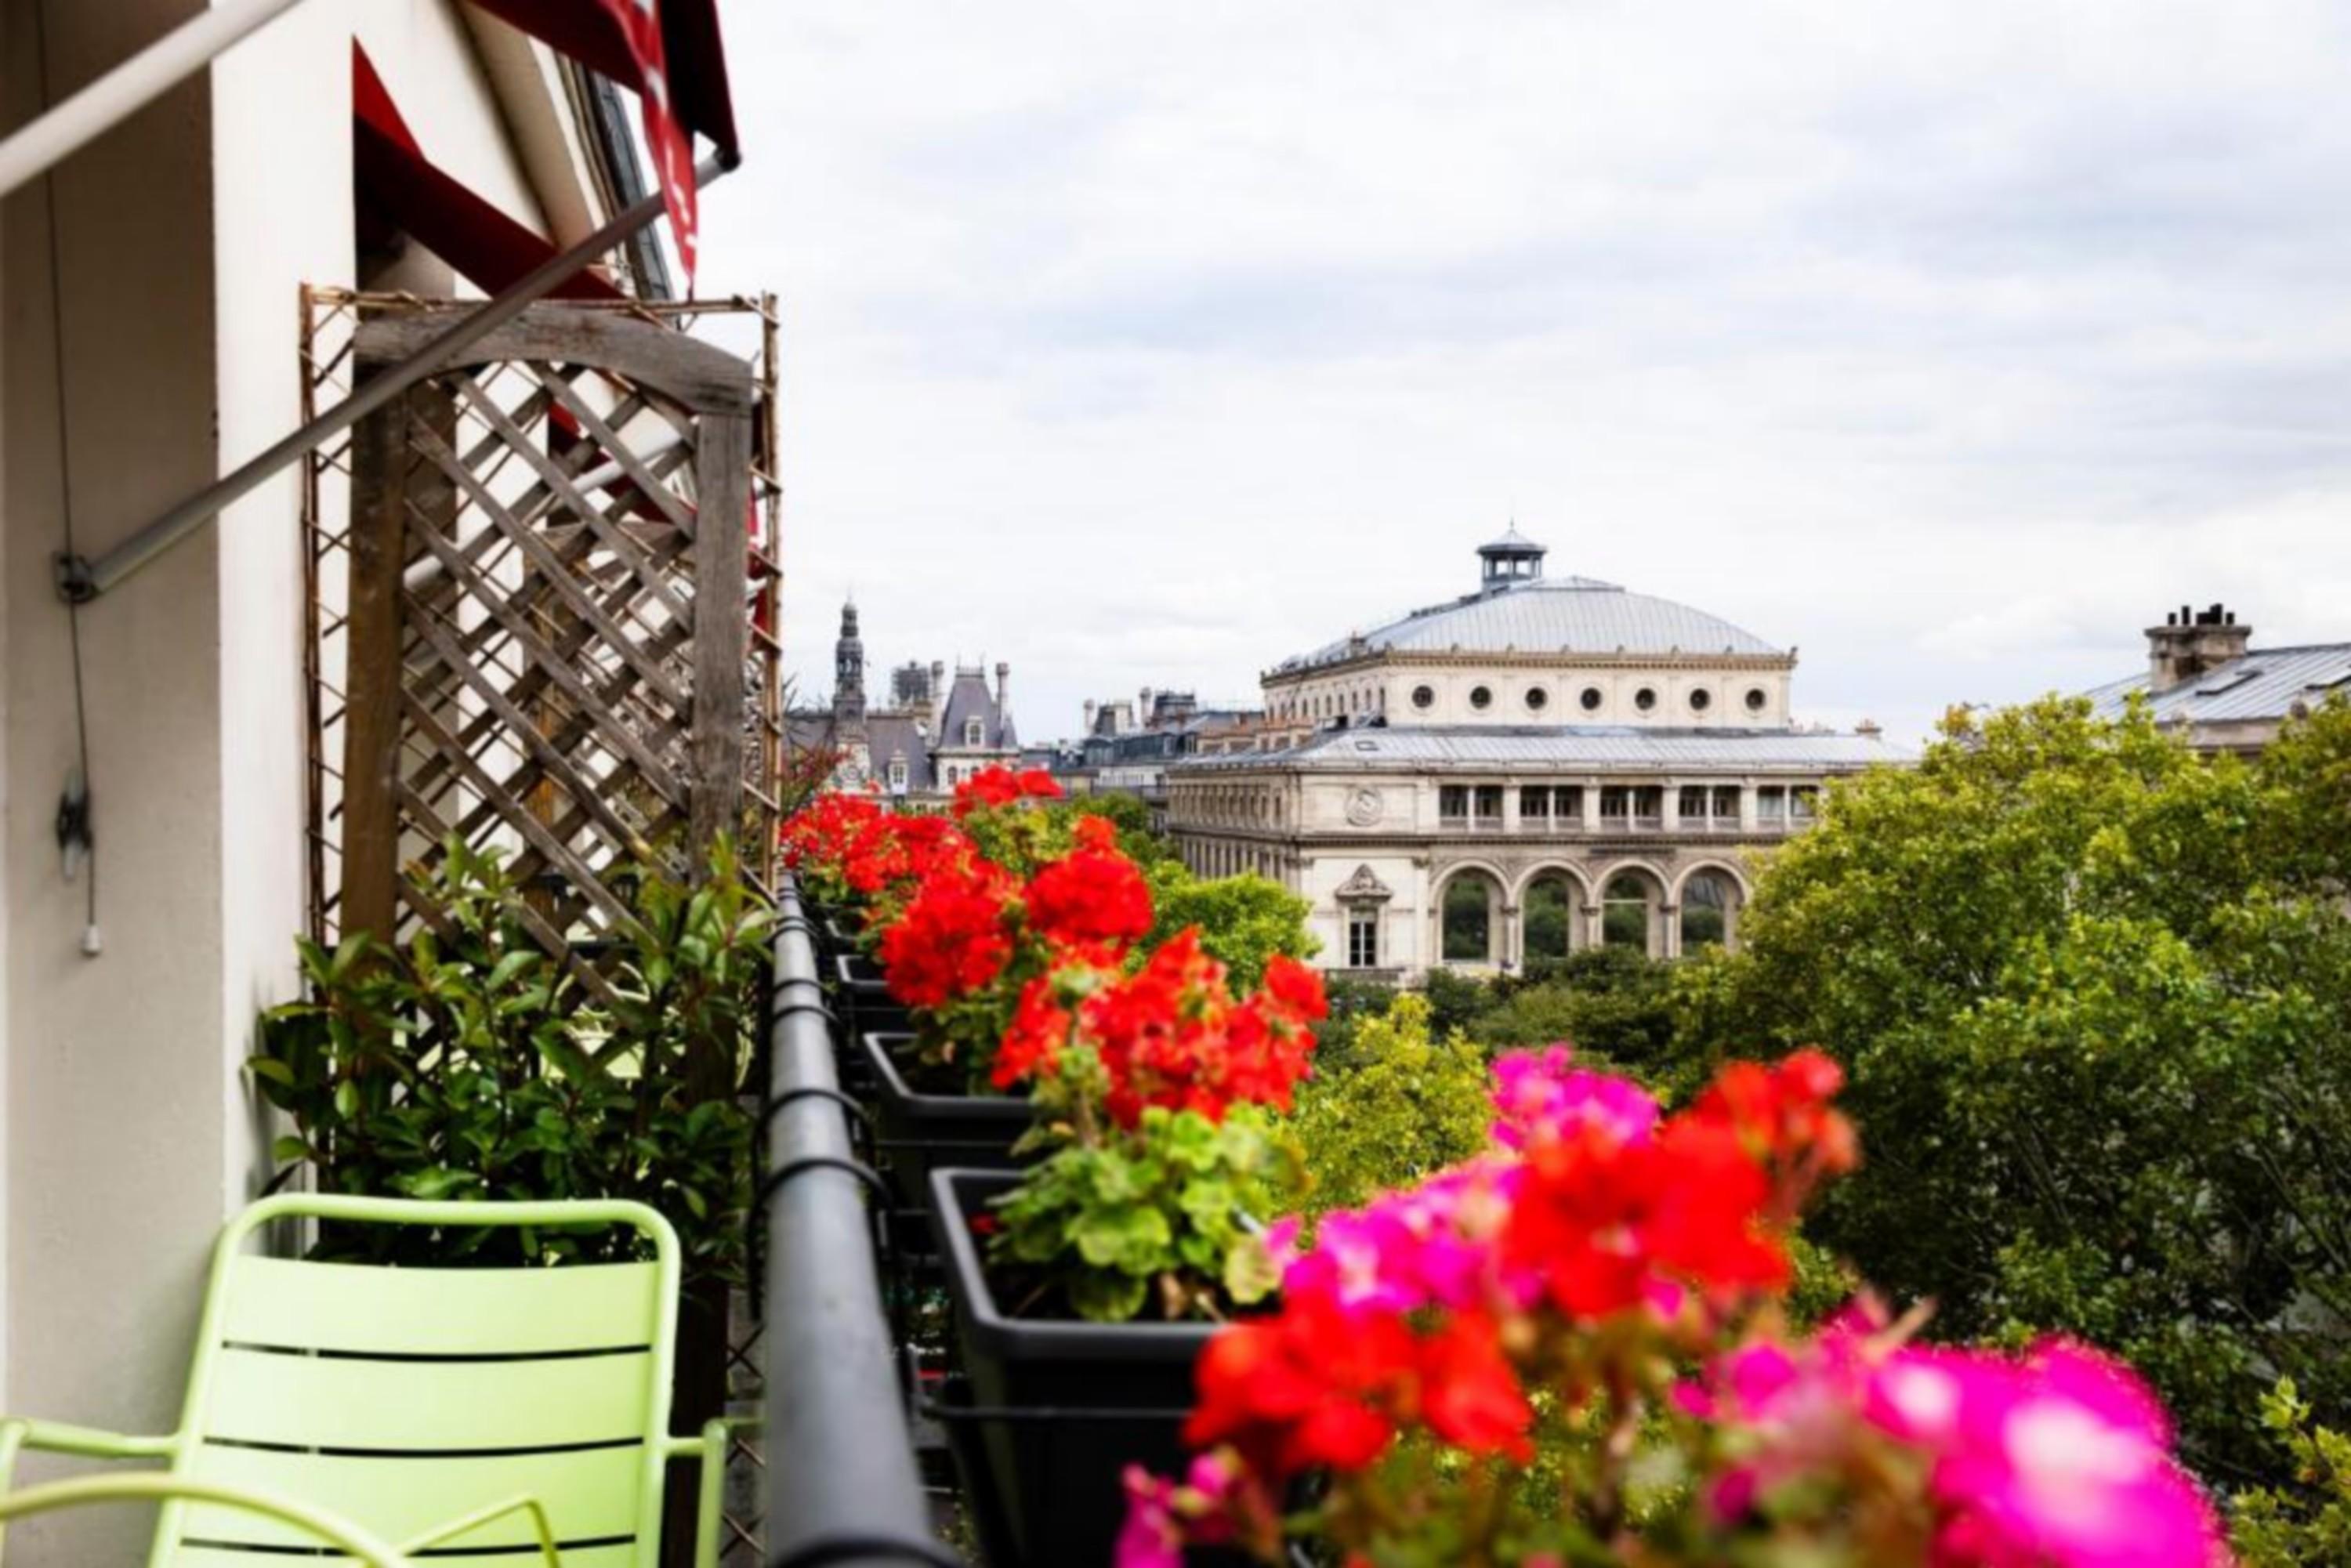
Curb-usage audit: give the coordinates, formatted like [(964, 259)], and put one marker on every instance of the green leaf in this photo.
[(1108, 1297), (1130, 1236), (1249, 1273)]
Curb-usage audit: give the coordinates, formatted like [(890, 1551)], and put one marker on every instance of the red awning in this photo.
[(591, 33), (669, 50), (400, 187)]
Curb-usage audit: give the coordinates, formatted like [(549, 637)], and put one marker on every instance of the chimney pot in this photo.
[(2191, 642)]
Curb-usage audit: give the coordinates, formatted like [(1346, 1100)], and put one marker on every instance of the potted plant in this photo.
[(1085, 1286), (1574, 1349), (969, 942)]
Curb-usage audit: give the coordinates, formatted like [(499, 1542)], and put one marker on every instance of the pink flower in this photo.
[(2064, 1458), (1164, 1516), (1543, 1100), (1429, 1246)]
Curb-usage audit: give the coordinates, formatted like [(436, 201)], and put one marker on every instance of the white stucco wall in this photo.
[(116, 1111), (127, 1132)]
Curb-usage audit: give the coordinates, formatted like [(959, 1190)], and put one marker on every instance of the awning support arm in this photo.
[(80, 579), (130, 86)]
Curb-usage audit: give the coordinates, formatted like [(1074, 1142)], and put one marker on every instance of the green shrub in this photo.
[(471, 1064), (1404, 1104), (1243, 920)]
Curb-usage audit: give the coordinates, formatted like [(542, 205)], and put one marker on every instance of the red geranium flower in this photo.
[(1306, 1389), (951, 940), (1095, 893)]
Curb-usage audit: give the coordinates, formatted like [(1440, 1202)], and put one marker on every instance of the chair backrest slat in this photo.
[(437, 1311), (359, 1403), (591, 1494), (239, 1557)]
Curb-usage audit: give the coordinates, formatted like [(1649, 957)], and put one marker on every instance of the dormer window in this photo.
[(897, 776), (973, 732)]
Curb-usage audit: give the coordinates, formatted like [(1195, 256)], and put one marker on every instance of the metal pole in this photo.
[(130, 86), (80, 579), (842, 1484)]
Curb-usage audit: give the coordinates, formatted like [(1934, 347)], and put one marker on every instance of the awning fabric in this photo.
[(669, 51), (406, 189)]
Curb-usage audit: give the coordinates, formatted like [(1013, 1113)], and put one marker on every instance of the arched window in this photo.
[(1710, 904), (1625, 912), (1548, 909), (1468, 918)]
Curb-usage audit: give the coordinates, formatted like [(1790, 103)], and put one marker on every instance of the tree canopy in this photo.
[(2094, 994)]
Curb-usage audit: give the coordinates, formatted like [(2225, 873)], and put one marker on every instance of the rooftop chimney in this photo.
[(2191, 641), (1089, 717), (1003, 689)]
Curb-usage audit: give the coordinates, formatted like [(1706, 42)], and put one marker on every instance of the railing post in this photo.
[(843, 1488)]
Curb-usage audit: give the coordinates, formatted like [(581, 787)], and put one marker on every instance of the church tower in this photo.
[(848, 671)]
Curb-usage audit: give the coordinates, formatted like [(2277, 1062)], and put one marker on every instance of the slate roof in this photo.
[(2262, 683), (1595, 747), (893, 737), (969, 698), (888, 736), (1549, 615)]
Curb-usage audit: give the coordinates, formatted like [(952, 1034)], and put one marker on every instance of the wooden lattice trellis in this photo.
[(506, 573), (513, 571)]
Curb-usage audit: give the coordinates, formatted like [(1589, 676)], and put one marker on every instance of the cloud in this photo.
[(1141, 344)]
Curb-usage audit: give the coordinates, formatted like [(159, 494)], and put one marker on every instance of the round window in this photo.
[(1646, 698), (1700, 699), (1481, 697), (1424, 696), (1756, 699), (1537, 700), (1591, 700)]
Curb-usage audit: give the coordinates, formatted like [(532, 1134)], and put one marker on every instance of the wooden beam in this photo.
[(721, 630)]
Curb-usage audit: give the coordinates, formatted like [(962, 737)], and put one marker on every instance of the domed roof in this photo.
[(1550, 615)]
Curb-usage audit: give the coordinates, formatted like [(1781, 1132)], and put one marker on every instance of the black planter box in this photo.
[(863, 1005), (917, 1133), (1052, 1412)]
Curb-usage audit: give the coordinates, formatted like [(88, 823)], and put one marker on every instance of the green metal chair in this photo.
[(518, 1416)]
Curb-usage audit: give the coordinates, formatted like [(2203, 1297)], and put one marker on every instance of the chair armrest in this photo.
[(88, 1442), (157, 1486), (481, 1516), (710, 1450)]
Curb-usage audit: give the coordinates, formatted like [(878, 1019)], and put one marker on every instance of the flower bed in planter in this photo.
[(920, 1130), (1058, 1408)]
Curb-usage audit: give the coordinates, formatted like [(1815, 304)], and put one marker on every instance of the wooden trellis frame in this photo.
[(505, 637)]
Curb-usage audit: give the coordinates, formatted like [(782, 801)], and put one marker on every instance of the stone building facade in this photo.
[(934, 734), (1542, 766)]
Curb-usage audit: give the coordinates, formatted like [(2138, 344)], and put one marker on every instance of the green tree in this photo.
[(1458, 1001), (1613, 1004), (2094, 992), (1411, 1104), (1244, 920), (2309, 1524)]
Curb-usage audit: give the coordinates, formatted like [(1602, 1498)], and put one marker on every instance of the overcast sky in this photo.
[(1142, 344)]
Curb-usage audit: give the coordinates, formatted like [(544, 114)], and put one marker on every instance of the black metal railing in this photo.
[(844, 1489)]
